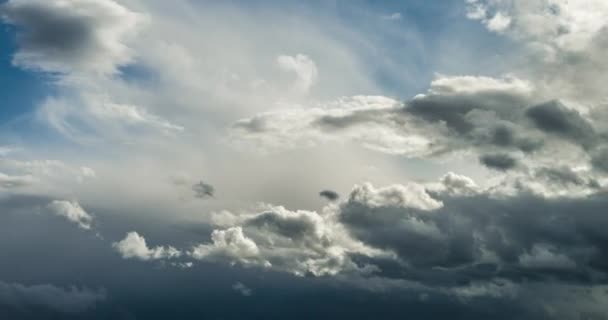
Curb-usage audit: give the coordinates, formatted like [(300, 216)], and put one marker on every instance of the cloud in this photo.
[(71, 300), (11, 182), (242, 289), (499, 161), (298, 242), (392, 17), (134, 246), (203, 190), (72, 211), (329, 195), (553, 117), (230, 244), (73, 36), (304, 68)]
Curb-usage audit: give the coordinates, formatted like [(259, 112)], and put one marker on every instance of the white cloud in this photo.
[(72, 211), (407, 196), (11, 182), (230, 244), (304, 68), (134, 246)]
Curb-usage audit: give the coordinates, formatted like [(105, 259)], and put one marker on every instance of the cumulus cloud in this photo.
[(230, 244), (71, 36), (71, 300), (298, 242), (72, 211), (134, 246)]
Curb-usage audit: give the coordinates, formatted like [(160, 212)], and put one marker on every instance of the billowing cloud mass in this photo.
[(450, 159)]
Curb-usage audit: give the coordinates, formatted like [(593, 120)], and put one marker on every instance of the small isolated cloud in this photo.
[(329, 195), (134, 246), (242, 289), (392, 17), (203, 190), (71, 300), (72, 211), (304, 68)]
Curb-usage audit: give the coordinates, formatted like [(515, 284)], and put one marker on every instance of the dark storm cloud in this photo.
[(50, 31), (453, 109), (530, 237), (329, 195), (58, 36), (506, 137), (554, 118), (563, 176), (67, 300), (498, 161), (599, 159), (203, 190)]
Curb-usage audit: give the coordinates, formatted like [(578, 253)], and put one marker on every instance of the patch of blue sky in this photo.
[(20, 90)]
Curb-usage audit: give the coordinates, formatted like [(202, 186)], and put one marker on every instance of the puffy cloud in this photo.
[(407, 196), (72, 211), (567, 25), (299, 242), (230, 244), (134, 246), (71, 36), (71, 300)]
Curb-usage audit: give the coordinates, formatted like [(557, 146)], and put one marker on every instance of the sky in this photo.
[(324, 159)]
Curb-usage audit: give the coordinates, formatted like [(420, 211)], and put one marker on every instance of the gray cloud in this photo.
[(329, 195), (553, 117), (70, 300), (203, 190), (599, 159), (498, 161), (61, 36)]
